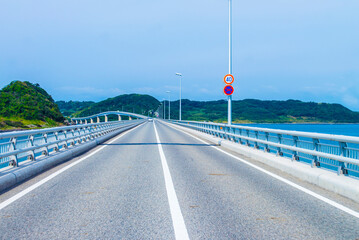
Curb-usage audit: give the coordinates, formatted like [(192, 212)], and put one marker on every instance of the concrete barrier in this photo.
[(340, 184), (23, 173)]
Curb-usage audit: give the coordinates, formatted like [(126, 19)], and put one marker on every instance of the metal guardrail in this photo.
[(121, 113), (334, 152), (19, 146)]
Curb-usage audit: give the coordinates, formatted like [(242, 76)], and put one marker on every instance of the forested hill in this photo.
[(70, 107), (136, 103), (24, 103), (257, 111)]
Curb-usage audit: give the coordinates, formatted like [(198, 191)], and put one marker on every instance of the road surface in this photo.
[(156, 182)]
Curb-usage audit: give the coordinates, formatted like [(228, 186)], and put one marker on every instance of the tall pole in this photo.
[(230, 61), (180, 113), (169, 105), (164, 110), (180, 101)]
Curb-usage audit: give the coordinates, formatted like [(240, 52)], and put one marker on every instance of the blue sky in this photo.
[(92, 50)]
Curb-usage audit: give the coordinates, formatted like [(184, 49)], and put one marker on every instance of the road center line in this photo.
[(48, 178), (307, 191), (177, 218)]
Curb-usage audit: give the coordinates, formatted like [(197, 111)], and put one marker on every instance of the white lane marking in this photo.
[(177, 218), (320, 197), (48, 178)]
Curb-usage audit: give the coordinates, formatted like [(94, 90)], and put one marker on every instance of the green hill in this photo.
[(136, 103), (27, 105), (70, 107), (257, 111)]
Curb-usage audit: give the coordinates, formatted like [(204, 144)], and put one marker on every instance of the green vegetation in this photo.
[(136, 103), (257, 111), (70, 107), (27, 105)]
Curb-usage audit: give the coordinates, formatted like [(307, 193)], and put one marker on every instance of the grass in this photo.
[(18, 123)]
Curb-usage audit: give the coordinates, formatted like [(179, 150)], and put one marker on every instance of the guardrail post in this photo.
[(279, 149), (233, 131), (46, 151), (32, 156), (343, 167), (240, 134), (65, 145), (91, 120), (228, 131), (266, 147), (256, 143), (315, 161), (14, 162), (119, 118), (295, 156), (235, 137), (73, 135), (57, 148), (247, 141), (98, 119)]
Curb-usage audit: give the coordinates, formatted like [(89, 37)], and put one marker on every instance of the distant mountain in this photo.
[(257, 111), (136, 103), (24, 105), (70, 107)]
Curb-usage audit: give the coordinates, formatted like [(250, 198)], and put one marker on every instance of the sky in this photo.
[(93, 50)]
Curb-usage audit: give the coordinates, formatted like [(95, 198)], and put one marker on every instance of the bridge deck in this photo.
[(120, 192)]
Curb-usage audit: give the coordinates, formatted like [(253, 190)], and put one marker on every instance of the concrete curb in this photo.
[(345, 186), (24, 173)]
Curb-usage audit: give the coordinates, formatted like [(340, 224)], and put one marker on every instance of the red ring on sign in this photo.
[(228, 90), (225, 77)]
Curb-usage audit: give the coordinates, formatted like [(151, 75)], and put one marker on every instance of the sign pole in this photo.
[(230, 62)]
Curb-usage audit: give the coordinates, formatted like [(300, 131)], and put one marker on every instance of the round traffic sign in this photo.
[(228, 79), (228, 90)]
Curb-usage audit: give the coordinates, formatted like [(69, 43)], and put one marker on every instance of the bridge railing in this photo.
[(19, 146), (90, 119), (334, 152)]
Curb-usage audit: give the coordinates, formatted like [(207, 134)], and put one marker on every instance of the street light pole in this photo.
[(164, 110), (180, 102), (230, 61), (169, 105)]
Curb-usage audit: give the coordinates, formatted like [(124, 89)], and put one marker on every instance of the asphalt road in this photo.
[(123, 192)]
